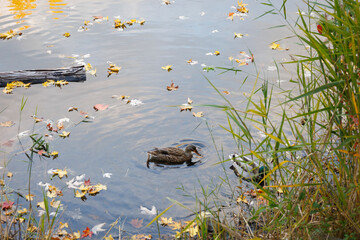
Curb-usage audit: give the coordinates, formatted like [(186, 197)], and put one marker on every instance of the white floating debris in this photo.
[(147, 211), (215, 31), (202, 13), (107, 175), (209, 54), (98, 228), (23, 134), (183, 17), (49, 52), (135, 102)]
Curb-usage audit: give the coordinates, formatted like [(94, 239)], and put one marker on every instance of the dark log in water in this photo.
[(70, 74)]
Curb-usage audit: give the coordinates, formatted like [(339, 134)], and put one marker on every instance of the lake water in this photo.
[(117, 139)]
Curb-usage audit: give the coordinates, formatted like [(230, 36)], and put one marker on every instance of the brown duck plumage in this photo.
[(171, 155)]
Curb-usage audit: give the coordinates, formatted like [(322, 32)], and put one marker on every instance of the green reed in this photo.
[(314, 149)]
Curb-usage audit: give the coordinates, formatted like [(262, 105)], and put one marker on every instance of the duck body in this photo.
[(171, 155), (247, 169)]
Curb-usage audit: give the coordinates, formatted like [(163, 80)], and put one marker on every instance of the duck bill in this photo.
[(195, 151)]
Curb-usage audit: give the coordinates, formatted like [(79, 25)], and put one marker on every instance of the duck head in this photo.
[(192, 149)]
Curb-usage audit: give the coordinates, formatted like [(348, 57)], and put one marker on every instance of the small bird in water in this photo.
[(172, 155)]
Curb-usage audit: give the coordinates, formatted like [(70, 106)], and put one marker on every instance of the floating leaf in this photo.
[(198, 114), (147, 211), (185, 107), (107, 175), (54, 154), (64, 134), (9, 174), (67, 34), (166, 2), (226, 92), (172, 87), (168, 68), (166, 221), (7, 205), (238, 35), (113, 69), (98, 228), (73, 109), (87, 233), (60, 173), (100, 107), (243, 199), (216, 53), (275, 46), (7, 124), (189, 101), (136, 223)]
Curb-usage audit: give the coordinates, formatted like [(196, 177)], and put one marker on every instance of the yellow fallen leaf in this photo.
[(93, 72), (66, 34), (80, 194), (189, 101), (64, 134), (275, 46), (22, 211), (238, 35), (63, 225), (9, 174), (198, 114), (55, 204), (231, 58), (41, 205), (141, 22), (60, 173), (226, 92), (86, 23), (109, 238), (7, 124), (29, 197), (166, 221), (243, 199), (168, 68), (88, 67), (216, 53), (175, 225)]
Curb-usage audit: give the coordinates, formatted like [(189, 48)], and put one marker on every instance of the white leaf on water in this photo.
[(135, 102), (107, 175), (46, 185), (98, 228), (147, 211), (23, 134)]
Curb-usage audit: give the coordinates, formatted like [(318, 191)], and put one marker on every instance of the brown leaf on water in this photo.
[(226, 92), (137, 223), (72, 109), (7, 124), (185, 107), (172, 87)]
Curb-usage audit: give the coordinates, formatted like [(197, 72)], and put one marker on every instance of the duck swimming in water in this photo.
[(172, 155)]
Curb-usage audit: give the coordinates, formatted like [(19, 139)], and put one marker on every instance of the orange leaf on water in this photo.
[(87, 233)]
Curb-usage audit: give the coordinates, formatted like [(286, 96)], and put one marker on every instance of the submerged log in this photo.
[(70, 74)]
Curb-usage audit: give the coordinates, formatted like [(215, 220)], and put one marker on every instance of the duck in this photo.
[(248, 170), (172, 155)]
